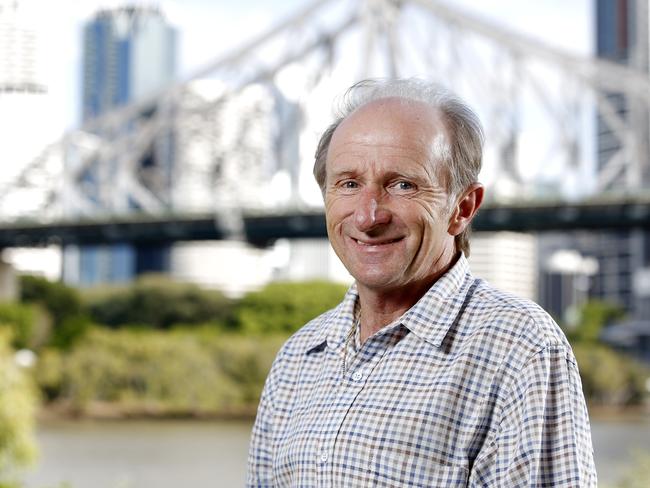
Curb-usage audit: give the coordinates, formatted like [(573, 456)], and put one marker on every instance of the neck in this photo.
[(378, 310), (380, 307)]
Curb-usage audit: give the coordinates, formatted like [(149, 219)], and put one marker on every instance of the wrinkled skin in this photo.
[(389, 217)]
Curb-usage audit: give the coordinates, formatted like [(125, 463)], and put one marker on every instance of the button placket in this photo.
[(343, 396)]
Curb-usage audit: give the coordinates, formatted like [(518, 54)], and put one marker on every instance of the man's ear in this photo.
[(465, 208)]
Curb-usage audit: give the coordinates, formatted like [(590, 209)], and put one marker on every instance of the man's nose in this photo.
[(371, 210)]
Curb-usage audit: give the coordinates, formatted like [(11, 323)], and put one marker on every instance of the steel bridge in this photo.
[(262, 229), (245, 127)]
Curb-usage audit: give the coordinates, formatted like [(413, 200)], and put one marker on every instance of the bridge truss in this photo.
[(240, 133)]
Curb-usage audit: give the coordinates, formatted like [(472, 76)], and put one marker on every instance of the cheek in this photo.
[(336, 209), (428, 223)]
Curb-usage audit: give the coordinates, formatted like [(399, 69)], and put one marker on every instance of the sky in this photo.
[(209, 28)]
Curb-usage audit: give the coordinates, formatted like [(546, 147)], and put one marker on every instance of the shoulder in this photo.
[(516, 328), (309, 336)]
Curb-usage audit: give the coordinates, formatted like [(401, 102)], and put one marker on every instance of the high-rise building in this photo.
[(128, 53), (18, 69), (25, 129), (622, 257), (507, 260), (622, 37), (23, 95)]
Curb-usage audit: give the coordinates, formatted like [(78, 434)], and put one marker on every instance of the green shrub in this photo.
[(179, 372), (592, 317), (285, 307), (60, 300), (609, 378), (28, 323), (143, 368), (17, 410), (63, 303), (246, 361), (69, 331), (48, 372), (156, 302)]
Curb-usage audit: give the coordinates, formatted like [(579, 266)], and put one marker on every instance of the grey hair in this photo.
[(460, 152)]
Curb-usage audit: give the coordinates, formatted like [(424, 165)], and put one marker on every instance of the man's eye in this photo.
[(350, 184), (404, 185)]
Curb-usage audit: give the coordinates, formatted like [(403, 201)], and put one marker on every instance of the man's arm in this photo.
[(260, 455), (542, 438)]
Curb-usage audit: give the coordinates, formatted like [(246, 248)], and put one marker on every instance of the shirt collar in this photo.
[(336, 325), (433, 315), (430, 318)]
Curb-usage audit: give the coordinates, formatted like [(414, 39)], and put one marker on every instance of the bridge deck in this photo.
[(262, 229)]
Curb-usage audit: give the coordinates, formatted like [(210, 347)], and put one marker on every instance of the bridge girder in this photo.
[(515, 82)]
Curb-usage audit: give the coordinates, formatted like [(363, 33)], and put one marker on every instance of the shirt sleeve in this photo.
[(543, 437), (259, 471)]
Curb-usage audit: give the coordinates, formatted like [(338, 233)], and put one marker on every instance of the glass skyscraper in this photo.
[(622, 37), (623, 257), (128, 53)]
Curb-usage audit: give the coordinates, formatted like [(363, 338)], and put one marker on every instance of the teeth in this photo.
[(376, 243)]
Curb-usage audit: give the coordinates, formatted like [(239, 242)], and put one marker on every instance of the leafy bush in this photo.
[(150, 368), (156, 302), (592, 317), (180, 372), (285, 307), (69, 322), (17, 409), (608, 378), (48, 372), (28, 324), (60, 300), (246, 361)]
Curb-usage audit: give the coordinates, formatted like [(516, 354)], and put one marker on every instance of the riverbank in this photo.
[(615, 413), (63, 411)]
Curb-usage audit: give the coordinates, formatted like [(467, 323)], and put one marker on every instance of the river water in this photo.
[(197, 454)]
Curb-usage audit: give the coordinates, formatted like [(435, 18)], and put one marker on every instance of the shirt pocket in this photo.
[(397, 467)]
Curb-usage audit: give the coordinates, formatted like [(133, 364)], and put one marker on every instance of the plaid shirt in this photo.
[(470, 387)]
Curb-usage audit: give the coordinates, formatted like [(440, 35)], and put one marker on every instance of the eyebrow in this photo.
[(389, 175), (344, 173)]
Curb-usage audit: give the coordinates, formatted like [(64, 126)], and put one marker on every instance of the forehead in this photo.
[(390, 124)]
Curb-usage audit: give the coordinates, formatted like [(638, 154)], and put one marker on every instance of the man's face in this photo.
[(387, 212)]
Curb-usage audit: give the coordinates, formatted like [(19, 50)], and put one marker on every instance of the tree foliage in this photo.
[(162, 372), (156, 302), (609, 378), (593, 316), (62, 303), (284, 307), (60, 300), (17, 409), (27, 322)]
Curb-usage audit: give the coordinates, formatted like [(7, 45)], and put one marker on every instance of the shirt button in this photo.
[(323, 457), (357, 376)]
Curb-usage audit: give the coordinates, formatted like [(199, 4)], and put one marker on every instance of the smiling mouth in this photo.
[(377, 243)]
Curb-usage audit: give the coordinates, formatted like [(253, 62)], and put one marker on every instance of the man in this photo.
[(423, 375)]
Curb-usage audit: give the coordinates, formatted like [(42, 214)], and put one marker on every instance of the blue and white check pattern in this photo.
[(470, 387)]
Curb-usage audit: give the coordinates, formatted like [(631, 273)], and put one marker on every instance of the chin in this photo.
[(376, 282)]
